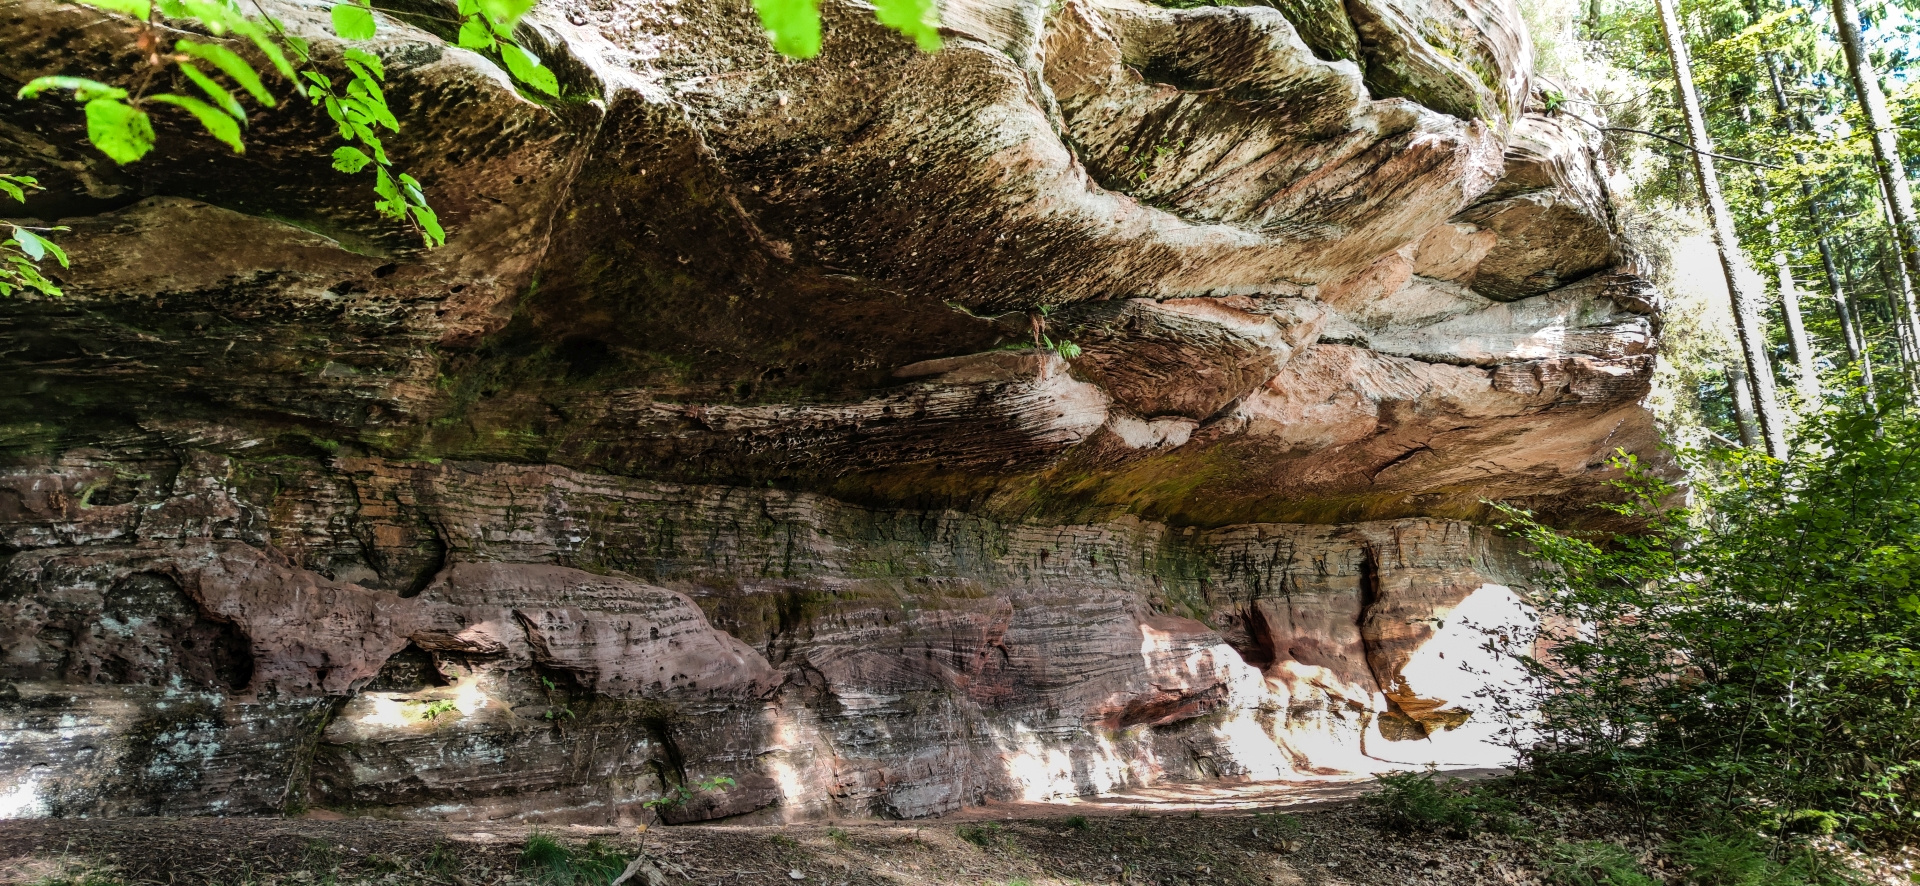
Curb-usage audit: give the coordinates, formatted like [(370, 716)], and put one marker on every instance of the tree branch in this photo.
[(1672, 141)]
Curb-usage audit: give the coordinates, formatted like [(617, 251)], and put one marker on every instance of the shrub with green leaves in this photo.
[(1593, 863), (553, 863), (1721, 859), (1422, 801), (1756, 654)]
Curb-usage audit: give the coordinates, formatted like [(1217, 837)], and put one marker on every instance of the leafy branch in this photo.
[(24, 248), (120, 126), (120, 123)]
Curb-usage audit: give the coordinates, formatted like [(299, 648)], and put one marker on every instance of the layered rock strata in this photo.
[(716, 440)]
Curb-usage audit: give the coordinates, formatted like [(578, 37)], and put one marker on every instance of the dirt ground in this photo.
[(1327, 846), (1247, 836)]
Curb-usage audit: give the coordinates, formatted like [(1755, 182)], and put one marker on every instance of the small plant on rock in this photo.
[(556, 710), (677, 795), (433, 709)]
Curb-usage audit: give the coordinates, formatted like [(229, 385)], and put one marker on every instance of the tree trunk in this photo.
[(1861, 306), (1849, 322), (1850, 334), (1898, 288), (1905, 314), (1886, 150), (1808, 382), (1742, 395), (1746, 306)]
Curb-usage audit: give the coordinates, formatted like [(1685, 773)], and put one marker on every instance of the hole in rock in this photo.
[(583, 355), (160, 634), (409, 670), (1256, 645)]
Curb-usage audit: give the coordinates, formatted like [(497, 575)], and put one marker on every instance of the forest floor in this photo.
[(1321, 836)]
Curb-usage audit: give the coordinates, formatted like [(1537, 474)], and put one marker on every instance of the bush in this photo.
[(1594, 863), (553, 863), (1752, 656), (1712, 859), (1420, 801)]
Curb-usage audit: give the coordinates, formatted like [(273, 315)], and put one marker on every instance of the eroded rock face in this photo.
[(716, 441)]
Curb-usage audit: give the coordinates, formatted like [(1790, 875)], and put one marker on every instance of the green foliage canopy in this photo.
[(1757, 652)]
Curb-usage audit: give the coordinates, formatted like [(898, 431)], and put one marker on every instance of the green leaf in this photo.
[(214, 91), (918, 19), (376, 107), (526, 67), (793, 24), (391, 203), (348, 158), (27, 242), (271, 50), (474, 34), (230, 64), (353, 21), (411, 185), (367, 60), (338, 114), (218, 125), (83, 89), (17, 186), (504, 15), (37, 247), (429, 224), (121, 131), (140, 9)]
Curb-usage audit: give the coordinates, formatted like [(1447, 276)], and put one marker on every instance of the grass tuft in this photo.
[(553, 863), (984, 835)]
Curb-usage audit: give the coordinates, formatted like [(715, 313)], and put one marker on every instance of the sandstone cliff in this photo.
[(714, 442)]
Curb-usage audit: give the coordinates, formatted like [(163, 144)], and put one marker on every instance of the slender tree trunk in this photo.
[(1861, 306), (1848, 329), (1746, 305), (1741, 393), (1843, 310), (1900, 295), (1808, 381), (1899, 289), (1886, 148), (1849, 323)]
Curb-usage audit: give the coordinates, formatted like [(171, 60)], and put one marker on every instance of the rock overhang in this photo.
[(1332, 289)]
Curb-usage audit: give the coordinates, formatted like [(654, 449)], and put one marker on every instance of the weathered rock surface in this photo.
[(714, 442)]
